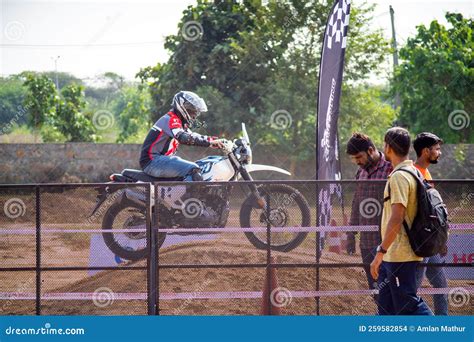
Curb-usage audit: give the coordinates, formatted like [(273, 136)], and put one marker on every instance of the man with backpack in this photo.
[(428, 150), (395, 263)]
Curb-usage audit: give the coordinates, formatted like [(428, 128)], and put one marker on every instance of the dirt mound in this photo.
[(238, 279)]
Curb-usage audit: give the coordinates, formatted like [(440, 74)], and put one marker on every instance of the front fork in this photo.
[(253, 188)]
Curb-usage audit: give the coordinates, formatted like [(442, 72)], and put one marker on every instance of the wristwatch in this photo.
[(380, 249)]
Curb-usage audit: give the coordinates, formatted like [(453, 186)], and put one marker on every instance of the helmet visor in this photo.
[(194, 104)]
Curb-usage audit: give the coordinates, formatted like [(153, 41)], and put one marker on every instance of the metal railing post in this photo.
[(38, 249), (151, 259), (269, 255)]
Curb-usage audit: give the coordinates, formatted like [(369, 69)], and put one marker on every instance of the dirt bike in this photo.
[(176, 209)]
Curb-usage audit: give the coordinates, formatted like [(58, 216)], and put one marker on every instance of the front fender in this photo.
[(260, 167)]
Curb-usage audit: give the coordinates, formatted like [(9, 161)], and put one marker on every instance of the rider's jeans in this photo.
[(169, 167)]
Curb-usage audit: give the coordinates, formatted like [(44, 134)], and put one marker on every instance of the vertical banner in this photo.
[(330, 80)]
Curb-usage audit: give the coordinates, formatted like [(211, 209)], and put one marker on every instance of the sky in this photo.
[(87, 38)]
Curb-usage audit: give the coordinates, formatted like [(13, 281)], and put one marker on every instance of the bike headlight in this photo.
[(245, 155)]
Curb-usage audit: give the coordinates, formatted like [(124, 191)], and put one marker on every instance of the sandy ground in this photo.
[(73, 250), (230, 248)]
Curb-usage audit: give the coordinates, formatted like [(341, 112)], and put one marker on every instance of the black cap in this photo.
[(425, 139)]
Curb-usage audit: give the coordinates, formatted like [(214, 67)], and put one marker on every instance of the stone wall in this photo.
[(88, 162)]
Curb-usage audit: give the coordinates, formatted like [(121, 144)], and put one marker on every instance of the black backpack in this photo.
[(429, 232)]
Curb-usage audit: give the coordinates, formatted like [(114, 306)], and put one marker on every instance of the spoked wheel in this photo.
[(129, 245), (288, 208)]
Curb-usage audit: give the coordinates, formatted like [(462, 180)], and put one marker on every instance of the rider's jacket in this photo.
[(166, 135)]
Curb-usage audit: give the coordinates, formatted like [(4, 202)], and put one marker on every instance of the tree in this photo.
[(70, 118), (292, 94), (436, 79), (12, 97), (64, 78), (365, 109), (106, 87), (40, 100), (56, 118), (133, 107), (252, 62), (218, 59)]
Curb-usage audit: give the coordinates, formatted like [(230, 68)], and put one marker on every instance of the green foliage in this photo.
[(12, 96), (70, 119), (64, 78), (436, 79), (365, 109), (19, 134), (133, 108), (60, 119), (251, 60), (460, 152), (110, 85), (40, 100), (51, 134)]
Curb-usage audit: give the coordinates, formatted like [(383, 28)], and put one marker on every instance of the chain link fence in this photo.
[(209, 248)]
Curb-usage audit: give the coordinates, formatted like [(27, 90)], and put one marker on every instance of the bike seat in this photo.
[(139, 175)]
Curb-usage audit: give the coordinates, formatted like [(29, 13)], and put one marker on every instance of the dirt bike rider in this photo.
[(157, 157)]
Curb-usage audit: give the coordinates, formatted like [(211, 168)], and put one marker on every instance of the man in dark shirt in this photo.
[(368, 199)]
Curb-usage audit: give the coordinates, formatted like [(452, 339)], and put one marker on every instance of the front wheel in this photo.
[(288, 208), (131, 245)]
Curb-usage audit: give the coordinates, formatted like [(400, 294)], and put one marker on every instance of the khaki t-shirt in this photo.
[(403, 191)]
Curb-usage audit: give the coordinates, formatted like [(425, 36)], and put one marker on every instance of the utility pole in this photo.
[(395, 52), (56, 70)]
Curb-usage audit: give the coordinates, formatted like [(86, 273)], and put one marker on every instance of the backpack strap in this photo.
[(417, 176), (418, 180)]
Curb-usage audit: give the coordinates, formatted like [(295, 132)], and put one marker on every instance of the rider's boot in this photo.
[(193, 192)]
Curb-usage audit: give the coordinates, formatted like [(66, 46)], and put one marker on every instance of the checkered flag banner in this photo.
[(330, 80), (338, 24)]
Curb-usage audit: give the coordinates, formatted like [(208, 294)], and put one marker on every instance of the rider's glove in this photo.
[(218, 143)]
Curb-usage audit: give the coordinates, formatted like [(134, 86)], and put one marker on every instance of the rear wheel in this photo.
[(129, 245), (288, 208)]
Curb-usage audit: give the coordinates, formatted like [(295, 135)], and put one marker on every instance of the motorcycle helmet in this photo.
[(188, 105)]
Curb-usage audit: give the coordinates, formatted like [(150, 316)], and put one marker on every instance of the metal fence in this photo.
[(207, 248)]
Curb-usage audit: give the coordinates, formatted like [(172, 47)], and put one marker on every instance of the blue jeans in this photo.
[(397, 290), (368, 255), (169, 167), (437, 279)]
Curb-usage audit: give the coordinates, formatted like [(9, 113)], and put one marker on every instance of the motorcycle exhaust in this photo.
[(134, 196)]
